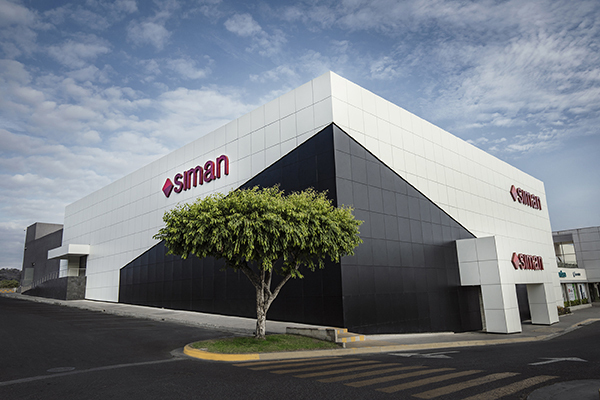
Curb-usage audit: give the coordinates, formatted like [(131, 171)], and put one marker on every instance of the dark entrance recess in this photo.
[(403, 278), (523, 301)]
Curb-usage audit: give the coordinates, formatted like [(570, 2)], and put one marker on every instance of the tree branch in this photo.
[(251, 275), (279, 286)]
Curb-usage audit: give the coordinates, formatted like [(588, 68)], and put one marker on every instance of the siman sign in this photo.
[(197, 176), (526, 261), (525, 197)]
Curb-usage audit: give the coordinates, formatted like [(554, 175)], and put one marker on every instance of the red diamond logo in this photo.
[(513, 192), (167, 187), (515, 261)]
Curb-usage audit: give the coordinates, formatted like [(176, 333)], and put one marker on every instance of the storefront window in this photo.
[(565, 255)]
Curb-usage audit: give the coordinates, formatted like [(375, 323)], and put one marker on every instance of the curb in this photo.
[(205, 355)]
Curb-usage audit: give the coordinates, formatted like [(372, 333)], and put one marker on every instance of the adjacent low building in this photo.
[(449, 231), (578, 260), (42, 276)]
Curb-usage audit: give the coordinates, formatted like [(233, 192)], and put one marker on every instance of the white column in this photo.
[(501, 308), (541, 304)]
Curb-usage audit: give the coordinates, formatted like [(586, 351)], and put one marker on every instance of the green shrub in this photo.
[(563, 310), (9, 283)]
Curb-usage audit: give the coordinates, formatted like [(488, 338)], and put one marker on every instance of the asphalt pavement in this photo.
[(374, 343)]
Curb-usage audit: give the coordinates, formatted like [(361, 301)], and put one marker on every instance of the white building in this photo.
[(447, 226)]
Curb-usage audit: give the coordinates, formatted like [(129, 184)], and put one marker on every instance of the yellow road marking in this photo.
[(365, 374), (343, 371), (512, 388), (308, 369), (464, 385), (427, 381), (396, 377)]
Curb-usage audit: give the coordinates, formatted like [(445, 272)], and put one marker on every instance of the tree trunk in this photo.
[(261, 323), (264, 296)]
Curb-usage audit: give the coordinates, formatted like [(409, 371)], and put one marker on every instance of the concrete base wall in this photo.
[(67, 288)]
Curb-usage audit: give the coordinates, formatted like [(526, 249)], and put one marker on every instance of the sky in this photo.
[(91, 90)]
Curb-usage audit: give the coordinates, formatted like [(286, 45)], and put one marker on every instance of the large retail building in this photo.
[(451, 234)]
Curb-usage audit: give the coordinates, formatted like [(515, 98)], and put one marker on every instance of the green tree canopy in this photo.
[(9, 283), (263, 232)]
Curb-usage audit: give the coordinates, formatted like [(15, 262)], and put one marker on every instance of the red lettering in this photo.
[(178, 183), (209, 171), (526, 261), (222, 159), (524, 197), (197, 172), (212, 170), (521, 261)]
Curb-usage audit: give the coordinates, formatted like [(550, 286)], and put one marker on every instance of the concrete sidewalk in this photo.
[(372, 344)]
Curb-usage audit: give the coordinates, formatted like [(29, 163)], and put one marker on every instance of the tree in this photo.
[(263, 232), (9, 283)]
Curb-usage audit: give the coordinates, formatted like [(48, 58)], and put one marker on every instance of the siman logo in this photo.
[(526, 198), (525, 261), (197, 176)]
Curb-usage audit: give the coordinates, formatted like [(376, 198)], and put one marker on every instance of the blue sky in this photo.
[(92, 90)]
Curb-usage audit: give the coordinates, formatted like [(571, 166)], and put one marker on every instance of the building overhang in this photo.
[(69, 250)]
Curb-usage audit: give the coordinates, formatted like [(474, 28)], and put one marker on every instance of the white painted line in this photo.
[(427, 381), (554, 360), (464, 385), (511, 389)]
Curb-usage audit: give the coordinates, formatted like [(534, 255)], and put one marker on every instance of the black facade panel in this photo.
[(155, 279), (405, 276)]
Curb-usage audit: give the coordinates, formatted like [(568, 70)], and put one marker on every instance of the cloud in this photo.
[(11, 245), (77, 54), (245, 26), (385, 68), (91, 73), (148, 32), (126, 6), (481, 66), (14, 14), (208, 8), (94, 15), (13, 71), (282, 72), (17, 29), (186, 67)]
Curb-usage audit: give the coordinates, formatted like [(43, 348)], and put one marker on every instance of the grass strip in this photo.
[(272, 343)]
